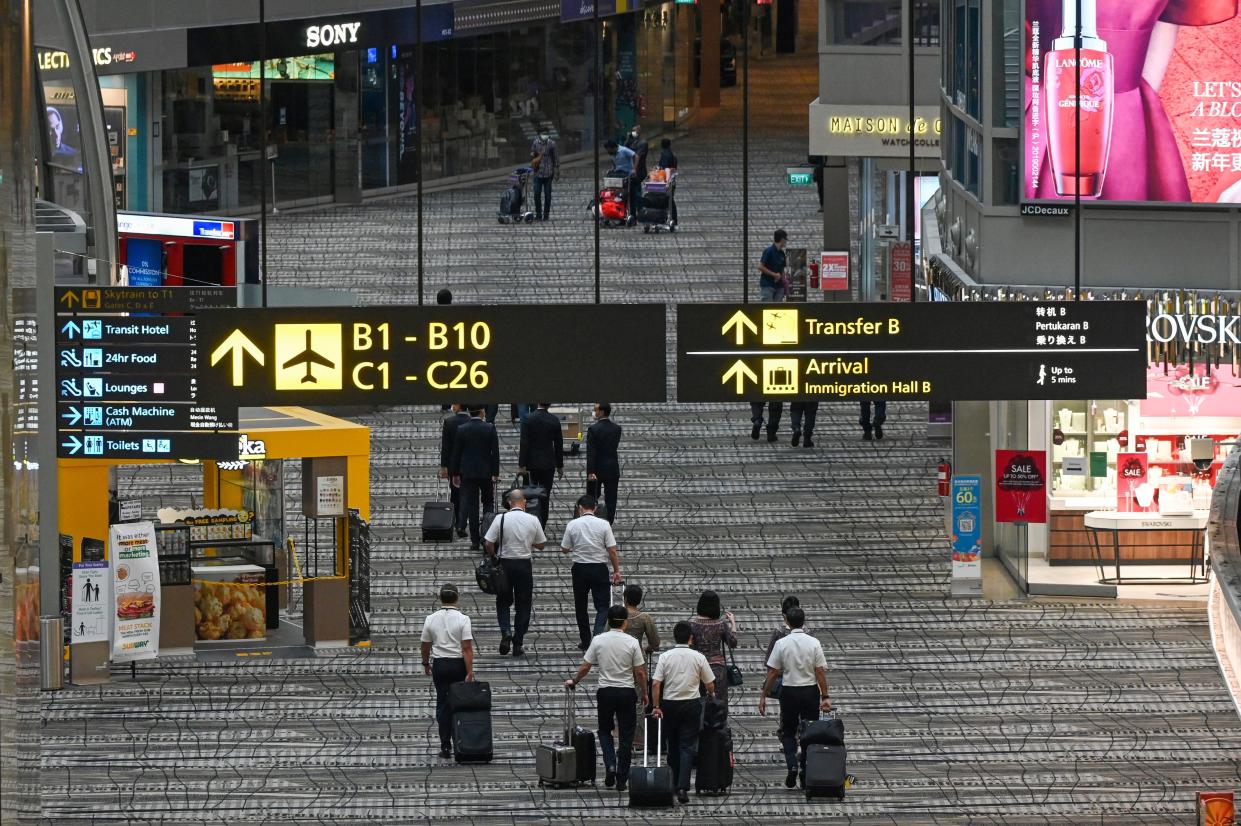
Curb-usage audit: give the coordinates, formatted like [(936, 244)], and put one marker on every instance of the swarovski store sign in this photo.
[(870, 131)]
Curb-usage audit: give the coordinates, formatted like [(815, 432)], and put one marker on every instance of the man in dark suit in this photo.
[(475, 467), (448, 434), (542, 452), (602, 462)]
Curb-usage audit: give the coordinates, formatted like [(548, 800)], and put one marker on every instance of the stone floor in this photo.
[(956, 712)]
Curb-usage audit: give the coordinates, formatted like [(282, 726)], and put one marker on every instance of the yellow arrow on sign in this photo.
[(69, 299), (237, 345), (740, 321), (739, 372)]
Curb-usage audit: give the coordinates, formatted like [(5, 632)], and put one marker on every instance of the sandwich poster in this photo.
[(1160, 101), (135, 590)]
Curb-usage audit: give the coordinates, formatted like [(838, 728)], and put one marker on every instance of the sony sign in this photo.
[(334, 34), (1194, 329)]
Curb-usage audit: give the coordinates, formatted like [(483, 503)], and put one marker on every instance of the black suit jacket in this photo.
[(475, 451), (542, 442), (448, 434), (602, 441)]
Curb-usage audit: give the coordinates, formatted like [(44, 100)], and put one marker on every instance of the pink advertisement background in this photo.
[(1221, 398)]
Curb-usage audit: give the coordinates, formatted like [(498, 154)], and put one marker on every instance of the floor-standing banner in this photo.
[(135, 584), (90, 600), (966, 536)]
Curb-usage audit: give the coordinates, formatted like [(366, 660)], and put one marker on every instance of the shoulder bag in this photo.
[(490, 573), (732, 673)]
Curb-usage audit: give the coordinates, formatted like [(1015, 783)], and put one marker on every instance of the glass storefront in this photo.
[(484, 100)]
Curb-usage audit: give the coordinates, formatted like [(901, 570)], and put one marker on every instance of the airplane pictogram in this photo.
[(309, 357)]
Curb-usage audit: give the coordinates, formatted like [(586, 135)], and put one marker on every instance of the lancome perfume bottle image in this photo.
[(1063, 103)]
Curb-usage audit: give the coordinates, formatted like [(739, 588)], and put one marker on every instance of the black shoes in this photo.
[(506, 643), (754, 431), (682, 796), (771, 437), (790, 780), (622, 785), (445, 753), (609, 779), (583, 645), (797, 438), (866, 437), (461, 534), (518, 651), (878, 431), (809, 442), (476, 546)]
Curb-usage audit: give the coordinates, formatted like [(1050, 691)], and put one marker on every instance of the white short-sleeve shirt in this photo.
[(588, 538), (614, 655), (522, 532), (681, 671), (446, 629), (797, 655)]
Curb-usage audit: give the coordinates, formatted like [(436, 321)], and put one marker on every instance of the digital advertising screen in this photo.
[(1160, 101)]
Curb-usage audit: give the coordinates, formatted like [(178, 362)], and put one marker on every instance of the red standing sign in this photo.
[(1021, 486), (901, 271)]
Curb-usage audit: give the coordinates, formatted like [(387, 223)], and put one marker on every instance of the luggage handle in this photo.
[(570, 716), (659, 739)]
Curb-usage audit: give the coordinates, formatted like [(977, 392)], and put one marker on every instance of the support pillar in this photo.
[(709, 61)]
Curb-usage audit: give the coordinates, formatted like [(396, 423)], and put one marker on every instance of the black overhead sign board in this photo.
[(940, 351), (434, 354), (127, 385)]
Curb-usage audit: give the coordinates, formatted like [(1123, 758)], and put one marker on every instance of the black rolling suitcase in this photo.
[(536, 495), (437, 522), (469, 696), (651, 787), (824, 771), (471, 736), (715, 761)]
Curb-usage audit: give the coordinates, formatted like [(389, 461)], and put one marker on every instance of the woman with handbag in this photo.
[(715, 635)]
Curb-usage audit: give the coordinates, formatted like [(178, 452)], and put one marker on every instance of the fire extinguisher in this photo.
[(943, 476)]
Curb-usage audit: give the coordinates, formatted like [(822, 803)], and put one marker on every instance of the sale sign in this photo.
[(834, 270), (901, 271), (1134, 493), (1021, 486)]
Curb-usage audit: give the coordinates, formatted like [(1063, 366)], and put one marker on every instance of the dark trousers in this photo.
[(610, 487), (774, 411), (881, 414), (807, 410), (474, 492), (521, 591), (458, 510), (797, 703), (619, 705), (490, 412), (591, 578), (542, 197), (682, 724), (546, 478), (445, 672)]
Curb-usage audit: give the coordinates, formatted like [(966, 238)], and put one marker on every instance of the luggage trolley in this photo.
[(571, 419), (655, 213), (516, 196)]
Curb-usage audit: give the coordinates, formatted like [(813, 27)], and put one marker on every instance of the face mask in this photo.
[(543, 138)]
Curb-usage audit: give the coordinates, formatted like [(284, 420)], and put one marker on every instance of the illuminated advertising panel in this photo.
[(1160, 101)]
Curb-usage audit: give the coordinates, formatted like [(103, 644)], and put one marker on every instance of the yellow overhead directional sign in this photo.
[(740, 372), (309, 356), (740, 322), (237, 345)]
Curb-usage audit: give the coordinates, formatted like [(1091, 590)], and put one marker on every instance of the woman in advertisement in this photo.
[(1129, 145)]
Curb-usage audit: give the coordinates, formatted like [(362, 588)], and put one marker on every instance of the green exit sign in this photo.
[(800, 177), (687, 2)]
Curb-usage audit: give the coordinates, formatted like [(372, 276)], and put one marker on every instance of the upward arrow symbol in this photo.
[(740, 372), (740, 322), (237, 345), (71, 329), (70, 298)]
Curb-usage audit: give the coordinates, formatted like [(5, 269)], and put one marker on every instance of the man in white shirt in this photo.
[(622, 684), (676, 699), (515, 535), (798, 658), (447, 657), (591, 544)]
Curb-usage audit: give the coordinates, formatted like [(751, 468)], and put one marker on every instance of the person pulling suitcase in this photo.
[(447, 657), (676, 699), (798, 659)]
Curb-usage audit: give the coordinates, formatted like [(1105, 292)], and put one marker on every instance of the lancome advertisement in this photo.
[(1160, 101)]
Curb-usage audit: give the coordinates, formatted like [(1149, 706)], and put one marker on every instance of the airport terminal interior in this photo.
[(966, 409)]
